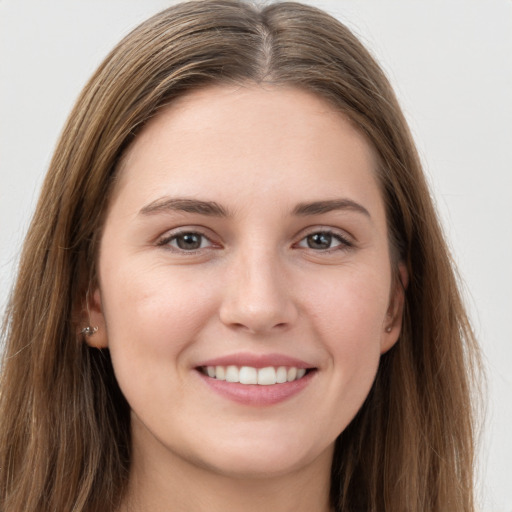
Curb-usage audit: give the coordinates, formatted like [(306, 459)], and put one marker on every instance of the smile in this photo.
[(267, 376), (257, 379)]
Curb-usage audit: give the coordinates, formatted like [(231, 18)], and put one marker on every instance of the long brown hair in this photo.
[(64, 424)]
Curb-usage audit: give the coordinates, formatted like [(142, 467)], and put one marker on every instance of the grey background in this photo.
[(450, 62)]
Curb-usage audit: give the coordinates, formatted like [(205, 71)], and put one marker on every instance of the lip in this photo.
[(253, 394), (256, 361)]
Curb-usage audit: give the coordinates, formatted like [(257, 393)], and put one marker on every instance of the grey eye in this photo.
[(324, 241), (188, 241), (320, 241)]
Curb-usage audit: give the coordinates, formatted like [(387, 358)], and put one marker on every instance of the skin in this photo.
[(256, 285)]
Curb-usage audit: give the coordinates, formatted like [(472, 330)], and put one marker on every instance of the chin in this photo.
[(250, 468), (264, 458)]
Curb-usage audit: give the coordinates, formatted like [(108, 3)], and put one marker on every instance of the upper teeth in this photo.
[(249, 375)]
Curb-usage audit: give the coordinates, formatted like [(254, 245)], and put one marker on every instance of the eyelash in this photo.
[(166, 241), (344, 243)]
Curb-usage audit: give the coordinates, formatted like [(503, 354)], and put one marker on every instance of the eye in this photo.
[(324, 240), (186, 241)]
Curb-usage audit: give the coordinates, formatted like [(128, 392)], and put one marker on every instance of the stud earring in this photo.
[(389, 329), (88, 331)]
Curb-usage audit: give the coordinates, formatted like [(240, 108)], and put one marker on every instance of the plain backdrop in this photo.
[(450, 62)]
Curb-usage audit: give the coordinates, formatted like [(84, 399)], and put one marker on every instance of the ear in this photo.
[(393, 322), (94, 317)]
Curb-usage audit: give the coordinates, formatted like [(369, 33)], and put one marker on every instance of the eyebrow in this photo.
[(319, 207), (213, 209), (209, 208)]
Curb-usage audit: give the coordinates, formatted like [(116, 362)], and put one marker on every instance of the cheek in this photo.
[(152, 311), (349, 315), (153, 316), (351, 327), (353, 302)]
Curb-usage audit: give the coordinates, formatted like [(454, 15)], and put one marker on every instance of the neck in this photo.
[(162, 484)]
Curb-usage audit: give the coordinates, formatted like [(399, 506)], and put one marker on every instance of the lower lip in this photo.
[(253, 394)]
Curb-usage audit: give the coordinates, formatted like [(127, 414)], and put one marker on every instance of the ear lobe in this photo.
[(94, 318), (393, 323)]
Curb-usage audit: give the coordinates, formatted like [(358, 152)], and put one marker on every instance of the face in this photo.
[(246, 240)]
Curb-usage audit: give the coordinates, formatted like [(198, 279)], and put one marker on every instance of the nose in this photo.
[(257, 296)]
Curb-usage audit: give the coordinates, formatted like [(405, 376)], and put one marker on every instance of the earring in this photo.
[(389, 329), (88, 331)]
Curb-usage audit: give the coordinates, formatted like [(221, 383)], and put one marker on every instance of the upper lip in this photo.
[(256, 361)]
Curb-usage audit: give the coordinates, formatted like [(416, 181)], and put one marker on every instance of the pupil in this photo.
[(189, 241), (319, 241)]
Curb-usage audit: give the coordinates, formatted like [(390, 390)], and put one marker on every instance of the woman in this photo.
[(235, 291)]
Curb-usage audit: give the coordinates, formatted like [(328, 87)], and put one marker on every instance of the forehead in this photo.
[(228, 140)]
